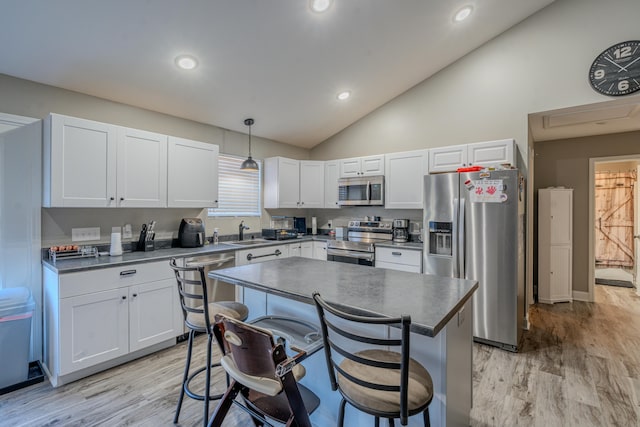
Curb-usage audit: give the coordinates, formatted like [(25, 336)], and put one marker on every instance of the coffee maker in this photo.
[(401, 230)]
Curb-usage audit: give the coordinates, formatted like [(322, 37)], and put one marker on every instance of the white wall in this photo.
[(26, 98), (540, 64)]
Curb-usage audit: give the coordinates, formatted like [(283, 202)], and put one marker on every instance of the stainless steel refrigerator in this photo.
[(474, 229)]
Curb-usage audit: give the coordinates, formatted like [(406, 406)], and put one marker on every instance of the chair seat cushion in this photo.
[(232, 309), (420, 383)]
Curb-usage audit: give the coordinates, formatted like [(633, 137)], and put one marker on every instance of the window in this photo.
[(238, 190)]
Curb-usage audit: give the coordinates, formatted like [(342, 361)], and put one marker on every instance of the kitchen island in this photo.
[(441, 310)]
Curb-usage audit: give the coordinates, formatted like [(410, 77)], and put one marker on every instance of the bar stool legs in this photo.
[(186, 380), (185, 377)]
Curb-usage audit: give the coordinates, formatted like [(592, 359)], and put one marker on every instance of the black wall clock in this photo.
[(616, 71)]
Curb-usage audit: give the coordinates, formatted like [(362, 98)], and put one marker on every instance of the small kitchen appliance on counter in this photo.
[(279, 234), (191, 233), (300, 223), (282, 228), (401, 230)]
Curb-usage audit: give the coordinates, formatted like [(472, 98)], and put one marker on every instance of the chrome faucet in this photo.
[(241, 229)]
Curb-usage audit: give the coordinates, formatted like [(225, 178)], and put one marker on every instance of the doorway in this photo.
[(614, 235)]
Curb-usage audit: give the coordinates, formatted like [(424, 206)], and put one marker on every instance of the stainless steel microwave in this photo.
[(361, 191)]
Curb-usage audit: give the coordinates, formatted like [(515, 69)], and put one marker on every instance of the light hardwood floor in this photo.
[(579, 366)]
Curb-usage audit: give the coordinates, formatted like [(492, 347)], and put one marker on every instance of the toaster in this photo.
[(191, 233)]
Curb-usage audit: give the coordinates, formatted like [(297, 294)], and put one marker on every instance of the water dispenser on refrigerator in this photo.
[(440, 235)]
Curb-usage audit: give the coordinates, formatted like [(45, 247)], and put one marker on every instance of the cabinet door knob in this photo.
[(134, 295), (124, 297), (121, 199), (112, 198)]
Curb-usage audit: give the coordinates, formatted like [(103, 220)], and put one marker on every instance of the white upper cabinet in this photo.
[(404, 179), (290, 183), (79, 163), (281, 183), (492, 153), (331, 175), (489, 153), (93, 164), (141, 169), (192, 180), (362, 166), (311, 184), (447, 159)]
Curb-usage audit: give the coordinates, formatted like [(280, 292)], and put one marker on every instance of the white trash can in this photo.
[(16, 311)]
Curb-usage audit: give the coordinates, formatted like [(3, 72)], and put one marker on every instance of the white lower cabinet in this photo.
[(94, 328), (399, 259), (148, 321), (309, 249), (100, 318), (320, 250)]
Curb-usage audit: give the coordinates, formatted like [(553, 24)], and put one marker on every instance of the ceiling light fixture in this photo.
[(343, 96), (463, 14), (320, 5), (186, 62), (249, 164)]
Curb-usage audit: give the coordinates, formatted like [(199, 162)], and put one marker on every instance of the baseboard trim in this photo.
[(581, 296)]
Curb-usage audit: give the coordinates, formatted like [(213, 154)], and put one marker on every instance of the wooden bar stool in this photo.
[(383, 383), (198, 315), (263, 374)]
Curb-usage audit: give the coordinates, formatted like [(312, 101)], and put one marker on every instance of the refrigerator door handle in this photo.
[(454, 240), (461, 241)]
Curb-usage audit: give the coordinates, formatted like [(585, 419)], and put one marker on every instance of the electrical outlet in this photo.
[(85, 234)]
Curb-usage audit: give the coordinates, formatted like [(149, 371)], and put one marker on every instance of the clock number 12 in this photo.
[(622, 52)]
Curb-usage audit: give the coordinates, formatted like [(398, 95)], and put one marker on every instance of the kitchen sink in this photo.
[(247, 242)]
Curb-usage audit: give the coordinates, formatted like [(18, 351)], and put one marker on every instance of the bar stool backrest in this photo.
[(193, 291), (339, 339)]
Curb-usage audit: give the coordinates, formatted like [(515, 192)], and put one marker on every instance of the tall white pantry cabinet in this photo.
[(555, 244)]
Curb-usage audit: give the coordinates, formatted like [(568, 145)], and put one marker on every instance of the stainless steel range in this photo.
[(358, 248)]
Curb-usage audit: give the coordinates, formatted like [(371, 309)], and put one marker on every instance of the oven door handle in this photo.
[(350, 254)]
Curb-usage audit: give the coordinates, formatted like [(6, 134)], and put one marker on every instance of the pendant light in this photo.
[(249, 164)]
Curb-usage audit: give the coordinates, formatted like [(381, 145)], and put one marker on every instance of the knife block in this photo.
[(144, 244)]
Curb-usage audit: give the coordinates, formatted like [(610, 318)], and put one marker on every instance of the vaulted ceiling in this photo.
[(274, 60)]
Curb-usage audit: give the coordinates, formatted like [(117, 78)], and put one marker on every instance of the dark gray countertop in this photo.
[(431, 301), (82, 264)]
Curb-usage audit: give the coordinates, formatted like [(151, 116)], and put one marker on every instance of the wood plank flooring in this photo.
[(579, 366)]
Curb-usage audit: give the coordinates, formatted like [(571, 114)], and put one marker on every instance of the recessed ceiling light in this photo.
[(463, 14), (186, 62), (343, 96), (320, 5)]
